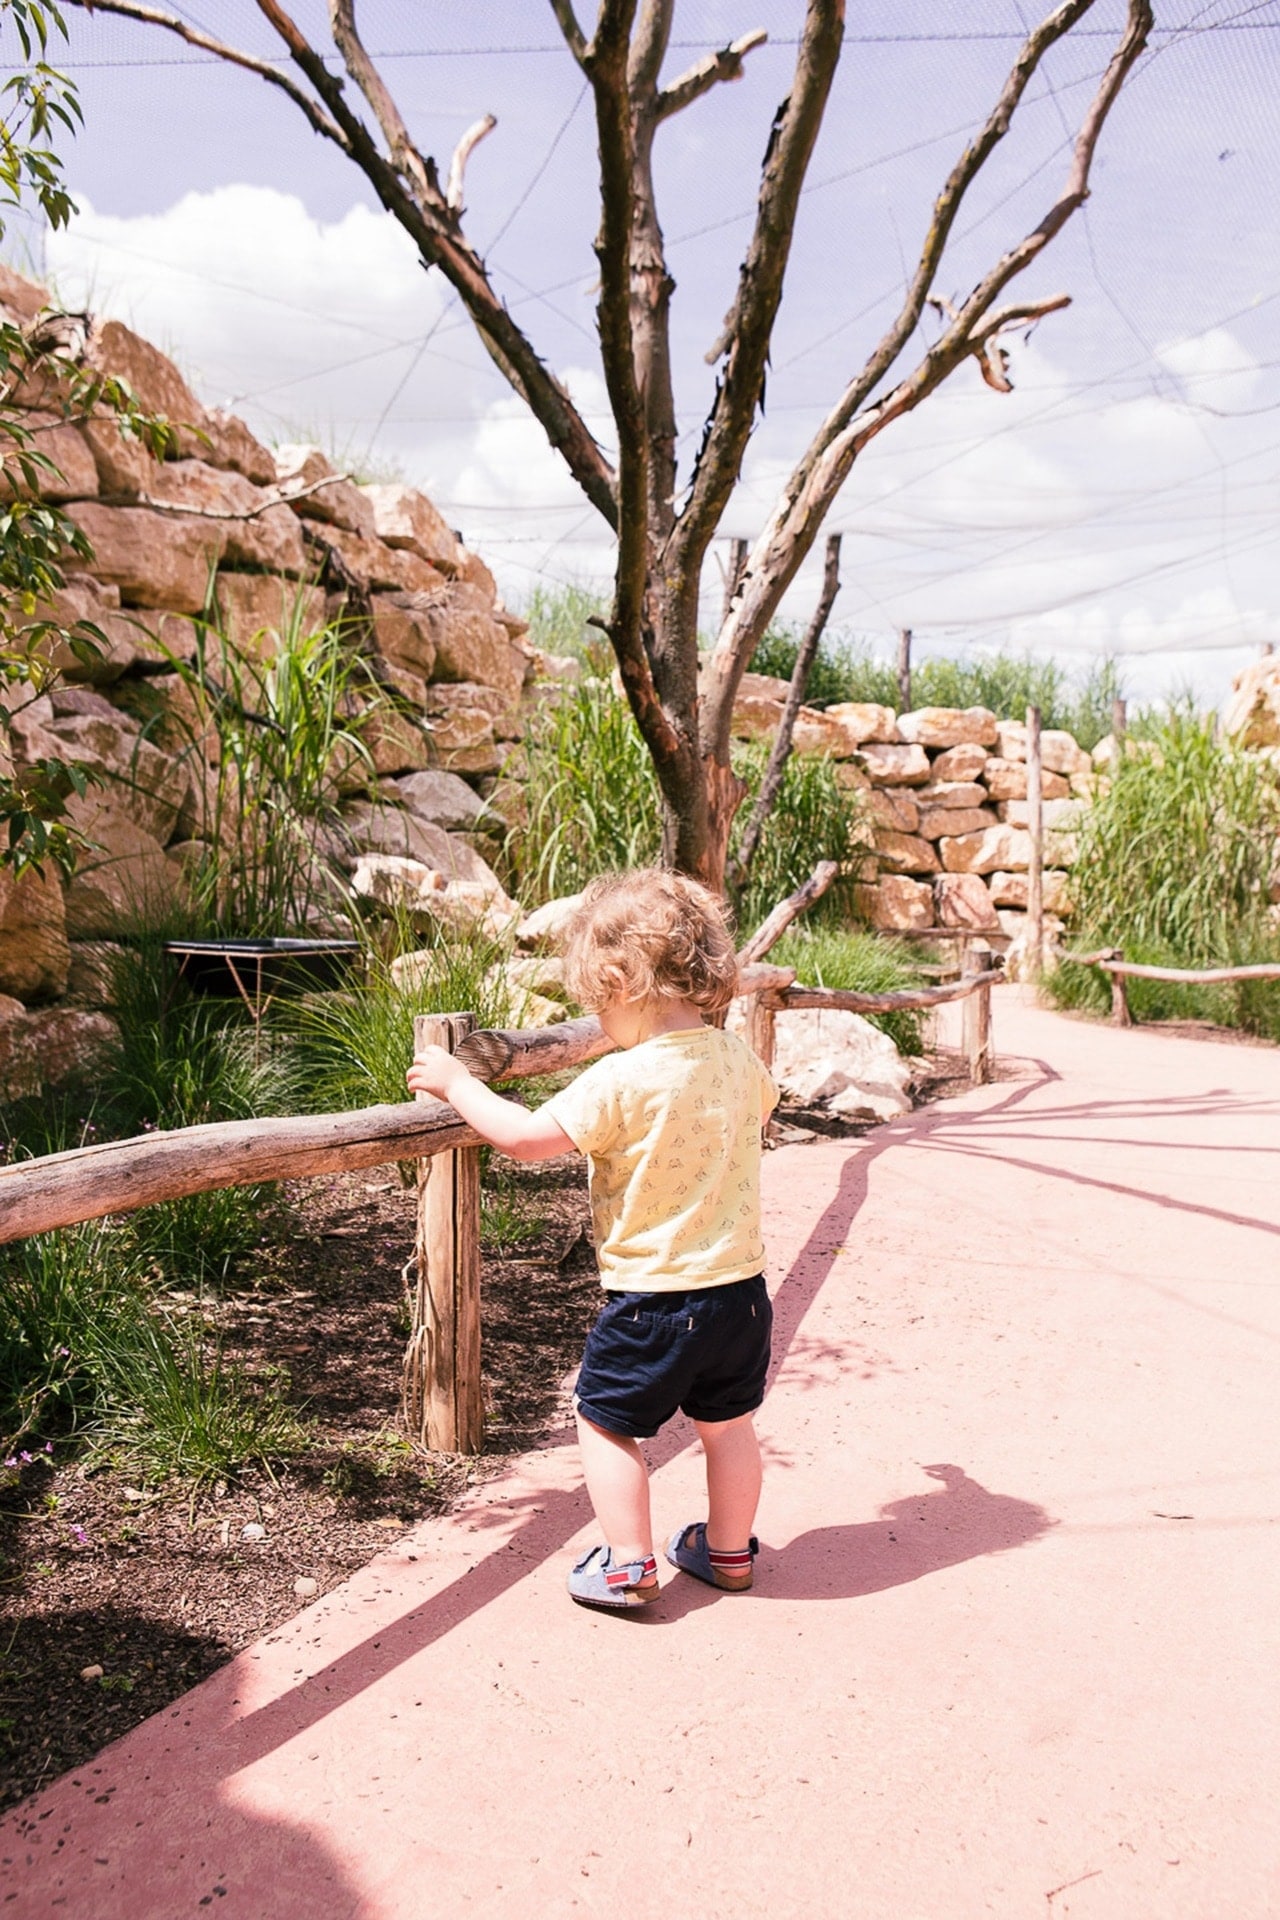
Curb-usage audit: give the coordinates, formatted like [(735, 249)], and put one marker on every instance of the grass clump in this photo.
[(1174, 863), (858, 963), (813, 819)]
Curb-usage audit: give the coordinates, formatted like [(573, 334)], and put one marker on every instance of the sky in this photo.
[(1122, 500)]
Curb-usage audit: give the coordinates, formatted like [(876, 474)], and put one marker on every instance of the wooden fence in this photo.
[(442, 1398), (1111, 960)]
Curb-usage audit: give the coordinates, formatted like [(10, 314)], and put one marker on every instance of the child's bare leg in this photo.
[(618, 1482), (733, 1479)]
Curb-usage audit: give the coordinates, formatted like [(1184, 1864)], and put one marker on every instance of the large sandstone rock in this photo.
[(895, 904), (256, 533), (403, 517), (816, 734), (53, 1049), (136, 778), (390, 830), (755, 716), (462, 741), (1010, 890), (893, 808), (469, 643), (851, 778), (546, 928), (74, 475), (1252, 714), (156, 559), (862, 721), (840, 1062), (230, 444), (1008, 847), (153, 379), (949, 726), (420, 893), (176, 718), (439, 798), (126, 639), (34, 955), (1059, 751), (890, 766), (958, 794), (963, 901), (1057, 816), (93, 980), (955, 821), (257, 609), (1007, 780), (964, 762), (24, 298), (330, 497), (372, 566), (904, 853), (455, 696), (125, 880), (403, 632), (396, 742), (124, 466)]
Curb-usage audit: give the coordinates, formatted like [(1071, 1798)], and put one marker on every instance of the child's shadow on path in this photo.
[(909, 1539)]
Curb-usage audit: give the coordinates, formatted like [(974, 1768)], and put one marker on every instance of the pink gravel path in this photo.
[(1015, 1644)]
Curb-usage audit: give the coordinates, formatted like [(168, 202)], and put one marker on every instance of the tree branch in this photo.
[(771, 785), (575, 39), (749, 327), (727, 64), (153, 17), (826, 463), (405, 157), (480, 130)]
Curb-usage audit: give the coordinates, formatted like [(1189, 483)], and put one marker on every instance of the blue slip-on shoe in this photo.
[(596, 1582), (689, 1551)]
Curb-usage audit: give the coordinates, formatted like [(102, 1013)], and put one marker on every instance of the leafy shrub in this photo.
[(858, 963), (1173, 866)]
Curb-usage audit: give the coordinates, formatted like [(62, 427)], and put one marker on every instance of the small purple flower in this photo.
[(25, 1458), (48, 1445), (12, 1461), (64, 1353), (80, 1537)]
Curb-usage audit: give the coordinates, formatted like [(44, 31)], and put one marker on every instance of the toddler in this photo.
[(671, 1128)]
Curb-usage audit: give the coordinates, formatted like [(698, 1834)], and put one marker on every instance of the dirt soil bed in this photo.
[(158, 1586)]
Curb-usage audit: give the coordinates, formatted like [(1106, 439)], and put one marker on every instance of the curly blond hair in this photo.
[(650, 935)]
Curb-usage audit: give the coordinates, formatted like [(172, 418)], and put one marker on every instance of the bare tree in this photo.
[(664, 529)]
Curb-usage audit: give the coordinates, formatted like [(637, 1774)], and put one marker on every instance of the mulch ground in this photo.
[(158, 1587)]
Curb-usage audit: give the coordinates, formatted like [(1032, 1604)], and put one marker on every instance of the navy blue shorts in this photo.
[(704, 1353)]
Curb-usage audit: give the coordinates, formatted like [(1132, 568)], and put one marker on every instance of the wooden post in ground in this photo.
[(761, 1027), (442, 1400), (1120, 1014), (904, 670), (1035, 863), (977, 1014)]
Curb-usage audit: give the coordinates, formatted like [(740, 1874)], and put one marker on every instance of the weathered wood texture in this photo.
[(1111, 960), (496, 1053), (910, 999), (1035, 860), (979, 1052), (120, 1176), (442, 1397)]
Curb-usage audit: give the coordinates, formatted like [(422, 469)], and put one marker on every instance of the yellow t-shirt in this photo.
[(671, 1129)]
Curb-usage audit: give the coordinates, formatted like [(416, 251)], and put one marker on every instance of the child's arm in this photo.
[(512, 1129)]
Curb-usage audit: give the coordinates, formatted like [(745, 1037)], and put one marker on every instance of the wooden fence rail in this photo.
[(441, 1388), (1111, 960)]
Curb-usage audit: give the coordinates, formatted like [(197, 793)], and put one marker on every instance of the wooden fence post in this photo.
[(1120, 1014), (442, 1399), (904, 669), (1035, 862), (762, 1014), (977, 1014)]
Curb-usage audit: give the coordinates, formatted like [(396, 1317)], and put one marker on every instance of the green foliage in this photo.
[(558, 619), (593, 798), (290, 729), (858, 963), (843, 669), (1173, 866), (813, 819)]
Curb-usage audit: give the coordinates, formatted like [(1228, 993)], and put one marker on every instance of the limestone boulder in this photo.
[(455, 696), (396, 742), (755, 716), (74, 475), (895, 904), (441, 799), (949, 726), (369, 565), (958, 794), (34, 955), (940, 822), (1059, 751), (1006, 780), (904, 853), (472, 570), (155, 559), (1010, 890), (1058, 816), (964, 762), (863, 722), (841, 1063), (469, 643), (1252, 714), (93, 979), (322, 493), (1019, 963), (962, 900), (229, 443), (136, 778), (256, 532), (893, 808), (1061, 848), (371, 828), (403, 517), (124, 466), (816, 734), (852, 778), (462, 741), (255, 610), (895, 766), (764, 686), (124, 879), (54, 1049), (403, 632), (422, 895), (153, 379), (995, 847), (547, 927)]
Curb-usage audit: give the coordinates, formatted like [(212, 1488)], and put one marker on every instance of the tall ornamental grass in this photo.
[(1174, 865), (858, 963)]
